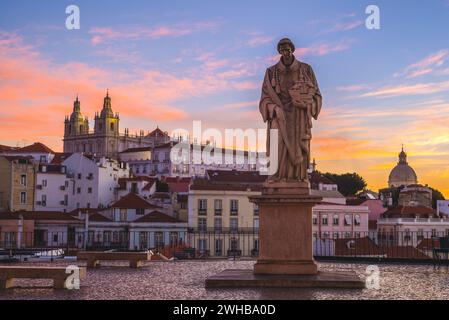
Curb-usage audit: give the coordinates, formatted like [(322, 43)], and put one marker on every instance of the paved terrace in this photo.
[(185, 280)]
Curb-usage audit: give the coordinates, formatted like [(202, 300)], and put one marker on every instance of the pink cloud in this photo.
[(425, 66), (322, 49), (414, 89), (102, 34)]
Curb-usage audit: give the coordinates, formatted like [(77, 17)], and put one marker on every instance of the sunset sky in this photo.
[(168, 63)]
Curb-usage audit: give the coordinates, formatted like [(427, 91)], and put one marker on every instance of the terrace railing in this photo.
[(228, 242)]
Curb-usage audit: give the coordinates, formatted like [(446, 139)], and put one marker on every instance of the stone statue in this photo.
[(290, 99)]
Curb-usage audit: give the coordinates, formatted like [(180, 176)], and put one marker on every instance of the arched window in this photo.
[(112, 126), (81, 128), (69, 129)]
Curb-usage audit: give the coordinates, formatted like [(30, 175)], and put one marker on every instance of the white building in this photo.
[(443, 207), (410, 225), (52, 188), (40, 152), (94, 182), (156, 161)]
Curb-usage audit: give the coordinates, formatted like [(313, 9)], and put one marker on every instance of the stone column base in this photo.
[(297, 267)]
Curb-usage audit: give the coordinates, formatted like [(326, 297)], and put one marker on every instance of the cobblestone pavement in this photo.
[(185, 280)]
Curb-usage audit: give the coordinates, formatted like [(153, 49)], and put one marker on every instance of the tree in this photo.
[(161, 186), (348, 183), (436, 195)]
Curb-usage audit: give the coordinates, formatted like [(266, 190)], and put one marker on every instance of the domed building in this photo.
[(403, 188), (402, 174)]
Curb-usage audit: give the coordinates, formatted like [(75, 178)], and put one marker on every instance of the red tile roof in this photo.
[(36, 147), (158, 217), (157, 131), (60, 157), (204, 184), (4, 148), (410, 212), (133, 201), (234, 176), (356, 247), (131, 150), (39, 215), (13, 158)]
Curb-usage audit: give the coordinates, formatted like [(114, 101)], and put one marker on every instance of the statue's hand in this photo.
[(299, 104), (272, 111)]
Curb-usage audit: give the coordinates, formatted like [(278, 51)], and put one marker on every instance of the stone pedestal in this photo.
[(285, 229), (285, 245)]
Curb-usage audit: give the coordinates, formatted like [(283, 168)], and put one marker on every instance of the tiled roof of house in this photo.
[(158, 217), (14, 158), (233, 176), (36, 147), (60, 157), (133, 201), (4, 148), (356, 247), (39, 215), (131, 150), (326, 193), (410, 212), (98, 217), (204, 184), (158, 132), (355, 202)]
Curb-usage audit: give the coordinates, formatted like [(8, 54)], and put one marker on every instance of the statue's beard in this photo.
[(290, 60)]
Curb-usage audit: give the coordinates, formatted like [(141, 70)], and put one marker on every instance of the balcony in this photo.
[(234, 212), (62, 188), (218, 212), (202, 212), (39, 187)]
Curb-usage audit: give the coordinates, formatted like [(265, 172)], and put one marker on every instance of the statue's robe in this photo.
[(294, 124)]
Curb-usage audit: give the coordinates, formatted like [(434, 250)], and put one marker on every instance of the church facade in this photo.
[(105, 140)]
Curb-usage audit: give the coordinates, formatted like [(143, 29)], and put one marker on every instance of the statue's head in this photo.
[(286, 48)]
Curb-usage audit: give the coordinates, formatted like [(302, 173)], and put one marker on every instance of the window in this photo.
[(202, 245), (256, 224), (44, 200), (174, 238), (336, 236), (218, 247), (23, 180), (434, 232), (234, 207), (89, 190), (112, 126), (324, 220), (234, 244), (202, 206), (79, 176), (336, 220), (88, 205), (42, 159), (44, 183), (202, 224), (123, 215), (234, 224), (357, 220), (66, 184), (314, 220), (348, 220), (159, 239), (256, 209), (140, 211), (218, 206), (66, 200), (78, 190), (23, 197), (217, 224)]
